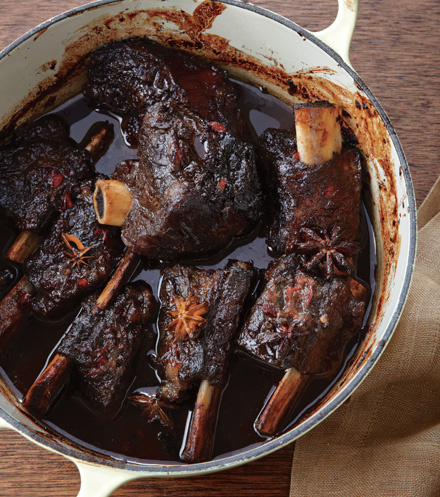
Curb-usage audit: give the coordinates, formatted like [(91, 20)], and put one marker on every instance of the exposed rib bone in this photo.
[(23, 247), (112, 201), (200, 436), (120, 276), (318, 132), (48, 385), (272, 418), (14, 308), (50, 382)]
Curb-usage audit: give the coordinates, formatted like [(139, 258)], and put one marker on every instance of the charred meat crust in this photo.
[(38, 168), (59, 282), (300, 319), (194, 189), (103, 346), (127, 76), (205, 358), (323, 198)]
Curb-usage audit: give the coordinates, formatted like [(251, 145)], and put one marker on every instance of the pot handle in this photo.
[(100, 481), (95, 481), (339, 34), (4, 424)]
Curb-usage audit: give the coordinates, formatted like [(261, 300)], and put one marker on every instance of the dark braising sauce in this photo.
[(129, 437)]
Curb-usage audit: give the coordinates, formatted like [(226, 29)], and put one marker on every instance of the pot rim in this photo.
[(224, 462)]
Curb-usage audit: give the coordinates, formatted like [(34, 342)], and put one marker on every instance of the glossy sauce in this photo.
[(129, 437)]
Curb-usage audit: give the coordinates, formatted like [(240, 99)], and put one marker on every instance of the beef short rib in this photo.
[(127, 76), (194, 188), (56, 271), (315, 209), (302, 320), (103, 346), (38, 168), (186, 361)]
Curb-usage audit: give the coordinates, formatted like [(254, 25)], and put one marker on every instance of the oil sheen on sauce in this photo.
[(129, 437)]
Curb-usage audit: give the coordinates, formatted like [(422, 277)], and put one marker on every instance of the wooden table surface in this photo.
[(396, 50)]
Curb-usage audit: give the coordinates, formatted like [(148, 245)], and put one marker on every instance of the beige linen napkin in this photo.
[(385, 440)]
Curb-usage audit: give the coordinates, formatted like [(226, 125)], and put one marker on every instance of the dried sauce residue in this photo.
[(48, 66)]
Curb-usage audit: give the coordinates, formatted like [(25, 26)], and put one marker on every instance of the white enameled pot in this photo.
[(44, 67)]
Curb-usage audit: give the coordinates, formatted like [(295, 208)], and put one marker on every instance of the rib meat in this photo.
[(38, 168), (103, 346), (315, 210), (302, 320), (185, 360), (59, 282), (127, 76), (194, 188)]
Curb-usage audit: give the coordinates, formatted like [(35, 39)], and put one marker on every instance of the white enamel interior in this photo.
[(25, 67)]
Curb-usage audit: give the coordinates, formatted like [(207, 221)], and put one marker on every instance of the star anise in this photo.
[(153, 408), (76, 257), (188, 317), (327, 250)]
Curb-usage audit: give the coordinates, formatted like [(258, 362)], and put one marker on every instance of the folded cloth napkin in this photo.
[(385, 439)]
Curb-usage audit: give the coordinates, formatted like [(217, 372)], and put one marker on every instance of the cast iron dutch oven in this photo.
[(262, 48)]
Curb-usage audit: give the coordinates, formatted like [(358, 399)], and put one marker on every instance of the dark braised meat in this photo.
[(50, 127), (194, 189), (78, 255), (301, 320), (198, 319), (103, 346), (315, 210), (14, 308), (38, 169), (127, 76)]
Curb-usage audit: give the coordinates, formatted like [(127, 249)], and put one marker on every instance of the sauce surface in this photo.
[(129, 437)]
